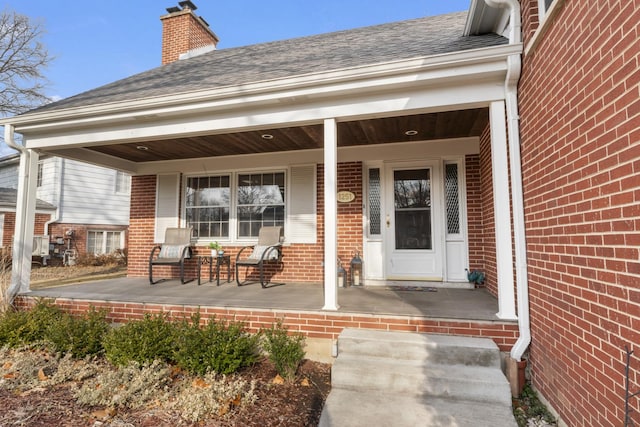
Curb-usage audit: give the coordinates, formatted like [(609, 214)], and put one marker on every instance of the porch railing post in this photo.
[(330, 214), (502, 216)]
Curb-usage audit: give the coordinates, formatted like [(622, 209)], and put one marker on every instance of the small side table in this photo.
[(218, 261)]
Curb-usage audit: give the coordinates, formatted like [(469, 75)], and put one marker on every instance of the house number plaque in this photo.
[(346, 196)]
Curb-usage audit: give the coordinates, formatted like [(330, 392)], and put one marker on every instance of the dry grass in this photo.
[(5, 279)]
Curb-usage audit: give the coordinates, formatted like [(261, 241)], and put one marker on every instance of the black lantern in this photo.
[(356, 270), (342, 275)]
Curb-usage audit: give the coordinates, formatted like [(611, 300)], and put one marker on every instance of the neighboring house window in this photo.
[(260, 202), (39, 177), (104, 242), (208, 201), (123, 183), (543, 7)]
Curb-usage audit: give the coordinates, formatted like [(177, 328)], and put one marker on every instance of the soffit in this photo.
[(428, 126)]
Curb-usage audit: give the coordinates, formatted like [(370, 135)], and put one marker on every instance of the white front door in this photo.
[(413, 221)]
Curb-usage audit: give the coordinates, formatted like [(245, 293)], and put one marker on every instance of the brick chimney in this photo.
[(184, 32)]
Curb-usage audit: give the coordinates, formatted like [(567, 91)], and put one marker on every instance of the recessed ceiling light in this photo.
[(411, 132), (142, 147), (267, 136)]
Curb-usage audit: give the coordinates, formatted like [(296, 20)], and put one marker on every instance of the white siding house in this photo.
[(92, 204)]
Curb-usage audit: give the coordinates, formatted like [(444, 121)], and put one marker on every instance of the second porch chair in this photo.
[(268, 249), (175, 249)]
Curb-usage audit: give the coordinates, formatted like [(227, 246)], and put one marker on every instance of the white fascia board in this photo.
[(451, 66), (410, 100)]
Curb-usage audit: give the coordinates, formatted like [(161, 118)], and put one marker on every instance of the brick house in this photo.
[(504, 140), (580, 131)]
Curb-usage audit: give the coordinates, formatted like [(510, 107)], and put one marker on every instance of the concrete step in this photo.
[(437, 349), (346, 408), (414, 377)]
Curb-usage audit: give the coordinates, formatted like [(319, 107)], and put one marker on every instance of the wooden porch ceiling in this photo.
[(449, 124)]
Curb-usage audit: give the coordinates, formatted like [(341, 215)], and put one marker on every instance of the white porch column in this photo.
[(25, 219), (502, 216), (330, 214)]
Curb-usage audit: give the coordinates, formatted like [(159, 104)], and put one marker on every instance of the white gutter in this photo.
[(514, 68)]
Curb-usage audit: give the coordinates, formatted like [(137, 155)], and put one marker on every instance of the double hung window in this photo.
[(208, 202), (235, 206)]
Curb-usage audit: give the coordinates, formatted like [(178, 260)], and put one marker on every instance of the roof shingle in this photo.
[(287, 58)]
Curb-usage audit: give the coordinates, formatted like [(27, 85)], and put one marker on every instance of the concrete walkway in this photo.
[(400, 379)]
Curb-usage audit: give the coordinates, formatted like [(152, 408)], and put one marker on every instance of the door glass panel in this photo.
[(412, 201), (374, 202), (453, 199)]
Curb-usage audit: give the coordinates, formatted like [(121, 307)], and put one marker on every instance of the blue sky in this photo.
[(99, 41)]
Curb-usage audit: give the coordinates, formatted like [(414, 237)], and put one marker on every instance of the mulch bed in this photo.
[(286, 405)]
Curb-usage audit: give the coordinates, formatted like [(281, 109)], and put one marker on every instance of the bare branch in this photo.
[(22, 60)]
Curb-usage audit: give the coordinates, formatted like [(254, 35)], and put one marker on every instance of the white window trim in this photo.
[(545, 18), (233, 237)]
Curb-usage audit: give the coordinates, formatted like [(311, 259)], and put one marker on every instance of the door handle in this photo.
[(388, 221)]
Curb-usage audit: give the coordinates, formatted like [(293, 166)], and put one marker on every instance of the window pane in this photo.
[(113, 241), (123, 182), (412, 200), (95, 242), (261, 202), (374, 202), (452, 196), (207, 205)]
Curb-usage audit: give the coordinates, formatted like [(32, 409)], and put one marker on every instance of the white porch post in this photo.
[(502, 216), (330, 214), (25, 218)]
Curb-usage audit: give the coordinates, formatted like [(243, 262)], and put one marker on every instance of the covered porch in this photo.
[(424, 146)]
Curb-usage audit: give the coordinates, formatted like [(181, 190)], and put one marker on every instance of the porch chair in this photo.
[(268, 249), (175, 249)]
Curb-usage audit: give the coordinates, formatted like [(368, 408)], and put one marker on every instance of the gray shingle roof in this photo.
[(287, 58), (9, 196)]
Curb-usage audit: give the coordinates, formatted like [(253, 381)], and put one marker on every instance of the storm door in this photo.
[(413, 223)]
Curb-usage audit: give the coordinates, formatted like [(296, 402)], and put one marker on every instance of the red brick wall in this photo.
[(181, 33), (10, 226), (475, 211), (580, 128), (314, 325), (79, 241), (488, 218), (301, 262), (141, 224)]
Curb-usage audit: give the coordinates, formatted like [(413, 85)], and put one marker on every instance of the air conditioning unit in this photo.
[(40, 246)]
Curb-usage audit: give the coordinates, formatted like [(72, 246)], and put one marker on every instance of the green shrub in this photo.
[(80, 336), (26, 327), (143, 341), (285, 351), (12, 322), (217, 347)]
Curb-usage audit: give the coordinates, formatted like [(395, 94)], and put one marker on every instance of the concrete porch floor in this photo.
[(441, 303)]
